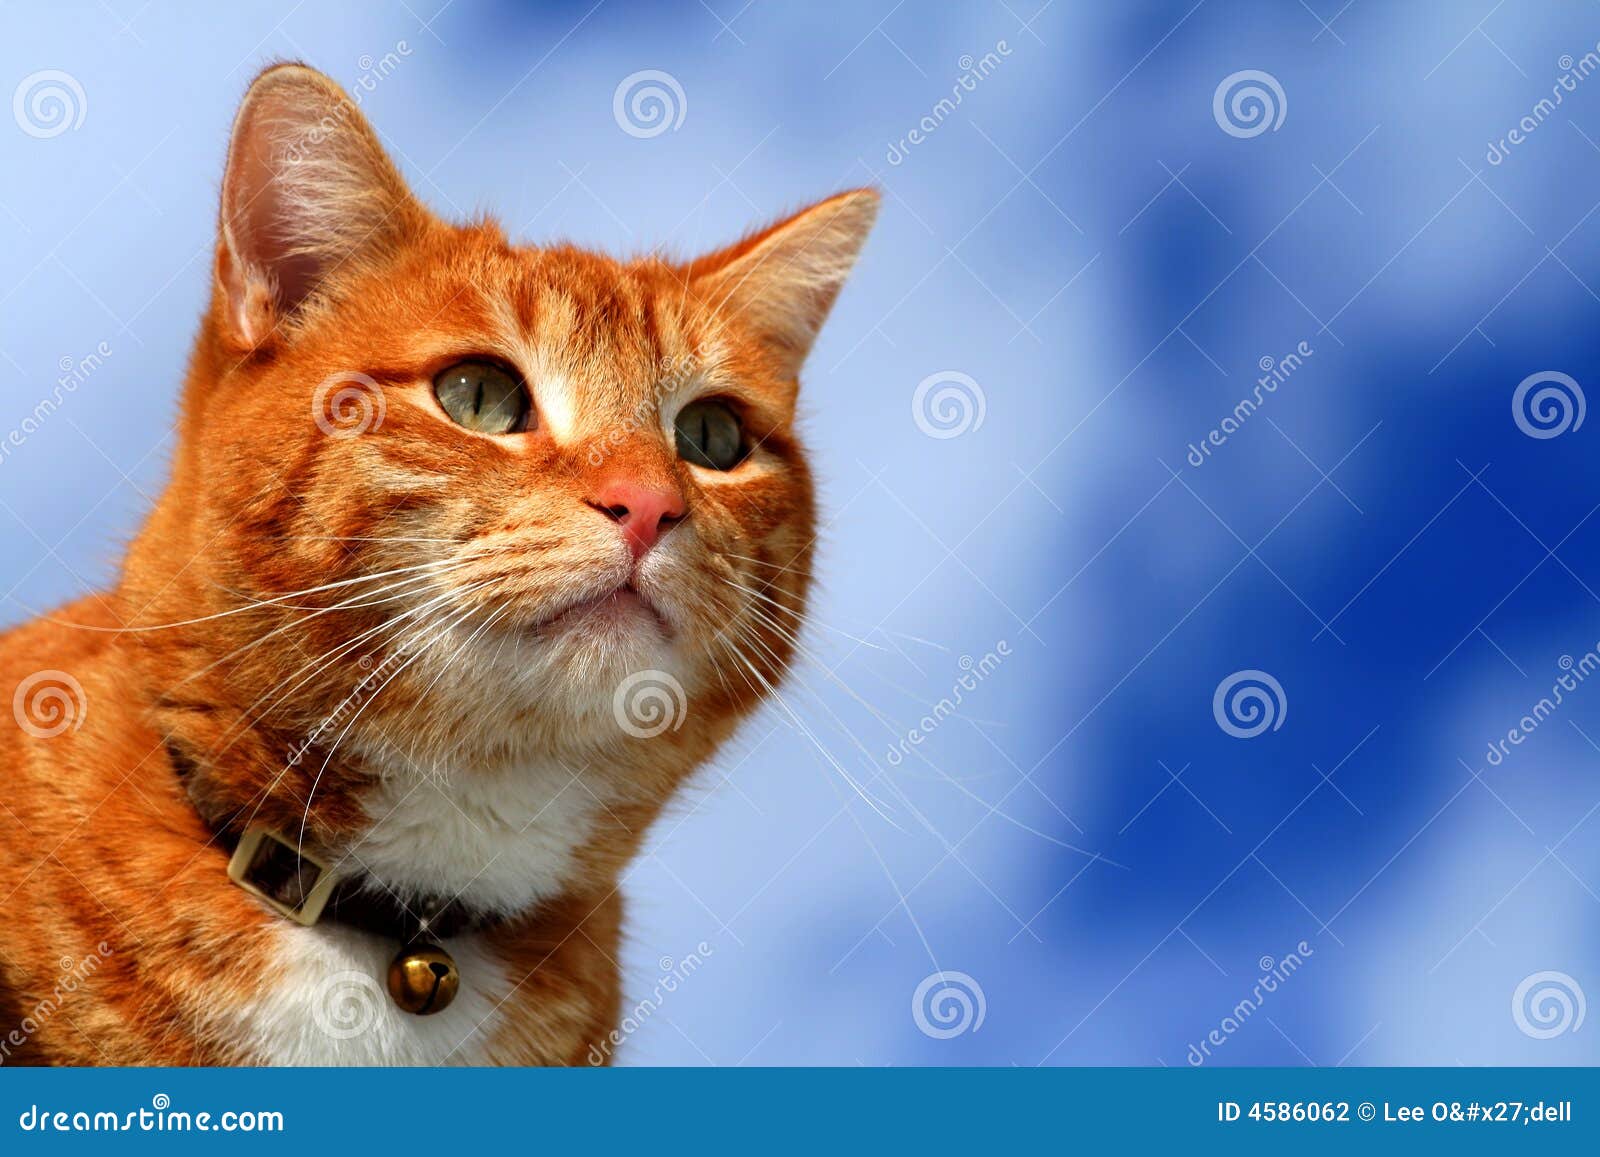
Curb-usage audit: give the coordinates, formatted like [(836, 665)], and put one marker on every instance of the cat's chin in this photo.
[(572, 666)]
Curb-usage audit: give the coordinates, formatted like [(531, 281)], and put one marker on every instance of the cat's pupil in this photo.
[(484, 397), (709, 435)]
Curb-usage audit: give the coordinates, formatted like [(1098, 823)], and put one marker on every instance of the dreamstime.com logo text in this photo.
[(673, 974), (1274, 372), (1572, 72), (973, 73), (74, 974), (74, 372), (1274, 974), (375, 678), (160, 1117), (672, 375), (1573, 673), (373, 72), (973, 672)]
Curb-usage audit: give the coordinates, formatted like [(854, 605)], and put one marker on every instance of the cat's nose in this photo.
[(644, 512)]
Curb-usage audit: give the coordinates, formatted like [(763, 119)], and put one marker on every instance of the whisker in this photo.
[(241, 610), (367, 702)]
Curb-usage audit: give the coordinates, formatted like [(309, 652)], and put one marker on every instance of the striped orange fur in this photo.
[(325, 519)]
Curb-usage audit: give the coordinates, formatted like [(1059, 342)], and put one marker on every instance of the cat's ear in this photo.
[(308, 188), (782, 282)]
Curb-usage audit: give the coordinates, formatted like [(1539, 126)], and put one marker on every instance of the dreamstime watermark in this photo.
[(373, 72), (648, 103), (1572, 72), (948, 404), (1274, 372), (160, 1117), (74, 973), (973, 73), (672, 375), (1575, 671), (346, 1004), (374, 680), (1248, 103), (49, 703), (1249, 702), (1274, 973), (1548, 404), (948, 1004), (1548, 1004), (46, 104), (974, 672), (673, 974), (649, 703), (347, 405), (74, 372)]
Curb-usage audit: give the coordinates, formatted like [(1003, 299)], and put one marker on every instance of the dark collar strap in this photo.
[(280, 873)]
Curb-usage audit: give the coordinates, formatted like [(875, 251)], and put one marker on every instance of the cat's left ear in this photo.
[(782, 282), (308, 190)]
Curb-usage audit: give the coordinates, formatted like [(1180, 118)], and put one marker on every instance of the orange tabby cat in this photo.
[(471, 553)]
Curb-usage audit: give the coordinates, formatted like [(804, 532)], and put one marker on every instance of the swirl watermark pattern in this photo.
[(1548, 404), (948, 1004), (649, 102), (1548, 1004), (1249, 702), (49, 703), (1248, 103), (649, 703), (346, 1004), (948, 404), (348, 405), (48, 103)]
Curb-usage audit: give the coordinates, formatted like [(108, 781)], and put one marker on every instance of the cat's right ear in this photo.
[(308, 191)]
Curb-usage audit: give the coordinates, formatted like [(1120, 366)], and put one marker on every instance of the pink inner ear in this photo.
[(256, 208), (307, 187)]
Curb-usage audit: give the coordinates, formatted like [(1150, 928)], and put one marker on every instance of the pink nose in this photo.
[(643, 512)]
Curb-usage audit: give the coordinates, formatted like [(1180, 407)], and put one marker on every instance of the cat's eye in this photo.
[(484, 397), (709, 435)]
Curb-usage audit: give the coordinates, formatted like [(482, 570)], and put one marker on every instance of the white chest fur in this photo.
[(502, 841), (326, 1005)]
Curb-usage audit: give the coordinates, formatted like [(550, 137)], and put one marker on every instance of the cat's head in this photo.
[(546, 490)]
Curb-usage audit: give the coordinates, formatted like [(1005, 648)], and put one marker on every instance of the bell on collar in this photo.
[(423, 979)]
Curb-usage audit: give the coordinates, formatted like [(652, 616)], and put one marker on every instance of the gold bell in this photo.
[(423, 979)]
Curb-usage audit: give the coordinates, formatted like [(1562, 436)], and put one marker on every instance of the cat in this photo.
[(471, 553)]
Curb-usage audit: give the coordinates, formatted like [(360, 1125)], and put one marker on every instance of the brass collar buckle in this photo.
[(422, 978), (258, 849)]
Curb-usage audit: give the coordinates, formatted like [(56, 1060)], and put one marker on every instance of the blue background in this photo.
[(1083, 240)]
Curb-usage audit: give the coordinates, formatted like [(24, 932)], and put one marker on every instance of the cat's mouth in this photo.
[(624, 607)]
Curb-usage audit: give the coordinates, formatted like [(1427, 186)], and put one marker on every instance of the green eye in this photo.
[(482, 396), (709, 435)]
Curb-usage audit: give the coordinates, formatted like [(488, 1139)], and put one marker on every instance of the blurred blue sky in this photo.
[(1109, 266)]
